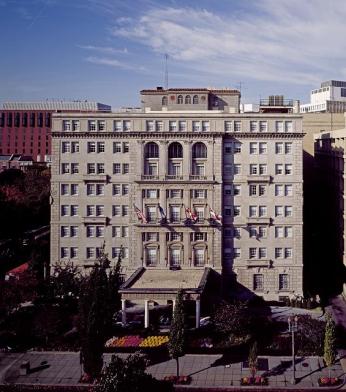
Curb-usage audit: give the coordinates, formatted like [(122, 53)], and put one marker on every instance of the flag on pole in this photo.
[(215, 216), (162, 212), (140, 214), (190, 214)]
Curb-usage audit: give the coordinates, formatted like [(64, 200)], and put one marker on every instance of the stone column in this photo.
[(198, 312), (146, 313), (123, 312)]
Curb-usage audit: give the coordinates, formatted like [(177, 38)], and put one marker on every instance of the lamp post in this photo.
[(293, 327)]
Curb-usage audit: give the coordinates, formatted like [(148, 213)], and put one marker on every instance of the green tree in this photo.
[(329, 342), (127, 375), (93, 318), (99, 299), (253, 359), (176, 343), (233, 320)]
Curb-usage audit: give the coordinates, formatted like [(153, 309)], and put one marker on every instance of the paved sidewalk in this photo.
[(205, 370)]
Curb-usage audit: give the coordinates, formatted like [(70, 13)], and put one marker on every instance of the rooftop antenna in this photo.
[(166, 71)]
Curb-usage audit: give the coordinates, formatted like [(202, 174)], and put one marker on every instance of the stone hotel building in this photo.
[(153, 183)]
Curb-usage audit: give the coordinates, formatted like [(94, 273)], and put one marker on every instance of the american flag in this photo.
[(190, 215), (215, 216), (140, 214), (162, 212)]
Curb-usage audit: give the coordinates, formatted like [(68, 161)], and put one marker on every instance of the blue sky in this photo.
[(107, 50)]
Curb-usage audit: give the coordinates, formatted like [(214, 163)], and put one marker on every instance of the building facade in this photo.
[(330, 98), (153, 184), (330, 165), (25, 127)]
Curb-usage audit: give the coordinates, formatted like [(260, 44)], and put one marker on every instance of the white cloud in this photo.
[(113, 63), (103, 49), (301, 42)]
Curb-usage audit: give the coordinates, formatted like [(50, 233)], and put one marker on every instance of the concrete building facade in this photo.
[(153, 184)]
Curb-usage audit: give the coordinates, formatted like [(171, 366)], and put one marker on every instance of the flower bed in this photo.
[(125, 341), (136, 341), (154, 341), (182, 380), (258, 380), (329, 381)]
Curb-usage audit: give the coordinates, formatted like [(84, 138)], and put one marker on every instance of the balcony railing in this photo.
[(174, 177), (197, 177)]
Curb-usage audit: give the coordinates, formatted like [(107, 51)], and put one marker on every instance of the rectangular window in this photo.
[(100, 189), (288, 253), (175, 214), (262, 253), (65, 168), (116, 168), (125, 210), (261, 190), (153, 236), (228, 148), (252, 232), (116, 231), (100, 168), (279, 190), (258, 282), (74, 210), (279, 148), (253, 148), (101, 125), (100, 230), (173, 126), (283, 282), (125, 231), (127, 125), (64, 232), (279, 168), (74, 231), (252, 253), (74, 168), (116, 189), (236, 210), (200, 193), (252, 211), (253, 126), (65, 147), (228, 126), (278, 253), (64, 253), (118, 126), (279, 210), (199, 257), (288, 148), (263, 126), (262, 211), (159, 126), (205, 126), (262, 148), (75, 125), (175, 193), (90, 189), (100, 147), (74, 147), (279, 232), (125, 189), (92, 125), (64, 189), (262, 232), (253, 169), (252, 190), (237, 126), (288, 211), (126, 147), (237, 168), (236, 232), (126, 168), (196, 126), (151, 256), (182, 126), (279, 126), (91, 147), (116, 147), (175, 257), (100, 210), (66, 125), (90, 210), (237, 147), (91, 168), (289, 190), (288, 126), (288, 168), (116, 210), (90, 253), (236, 189), (73, 252)]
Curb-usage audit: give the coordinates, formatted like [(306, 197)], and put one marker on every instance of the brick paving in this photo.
[(207, 371)]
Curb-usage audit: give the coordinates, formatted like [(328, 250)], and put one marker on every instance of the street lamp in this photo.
[(293, 327)]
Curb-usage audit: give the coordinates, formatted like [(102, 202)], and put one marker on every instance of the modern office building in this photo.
[(25, 127), (187, 188), (330, 98)]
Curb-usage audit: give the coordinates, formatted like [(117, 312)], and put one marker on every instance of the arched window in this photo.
[(180, 99), (199, 150), (188, 100), (151, 150), (175, 150), (164, 101), (195, 99)]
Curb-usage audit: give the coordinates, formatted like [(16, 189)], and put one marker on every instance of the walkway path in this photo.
[(205, 370)]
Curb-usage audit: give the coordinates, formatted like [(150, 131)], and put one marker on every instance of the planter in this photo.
[(181, 380), (329, 381), (258, 381)]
